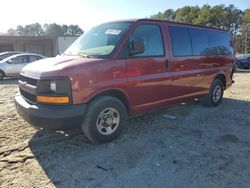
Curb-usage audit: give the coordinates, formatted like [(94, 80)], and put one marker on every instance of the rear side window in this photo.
[(220, 43), (151, 35), (34, 58), (200, 41), (180, 38)]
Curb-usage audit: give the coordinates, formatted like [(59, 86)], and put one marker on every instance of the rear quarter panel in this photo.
[(194, 74)]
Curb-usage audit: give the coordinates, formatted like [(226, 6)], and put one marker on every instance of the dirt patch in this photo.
[(200, 147)]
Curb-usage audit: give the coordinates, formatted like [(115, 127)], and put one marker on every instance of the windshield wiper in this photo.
[(67, 54), (83, 54)]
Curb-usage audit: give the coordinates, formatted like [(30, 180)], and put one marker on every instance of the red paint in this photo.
[(145, 82)]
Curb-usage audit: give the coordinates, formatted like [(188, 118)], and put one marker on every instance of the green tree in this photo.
[(11, 32), (216, 17), (245, 29), (168, 14), (53, 30), (239, 43), (28, 30), (233, 17), (204, 16), (74, 30), (187, 14), (62, 30), (158, 16), (33, 29), (65, 29), (20, 30)]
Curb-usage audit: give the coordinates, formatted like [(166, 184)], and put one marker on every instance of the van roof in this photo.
[(167, 21), (181, 23)]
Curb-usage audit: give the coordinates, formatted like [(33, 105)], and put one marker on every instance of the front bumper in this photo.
[(53, 117)]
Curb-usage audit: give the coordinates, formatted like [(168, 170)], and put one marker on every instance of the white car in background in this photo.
[(11, 66)]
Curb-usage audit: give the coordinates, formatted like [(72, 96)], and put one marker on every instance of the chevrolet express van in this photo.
[(125, 67)]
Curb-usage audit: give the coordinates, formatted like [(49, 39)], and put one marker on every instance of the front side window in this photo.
[(99, 41), (152, 39), (19, 59)]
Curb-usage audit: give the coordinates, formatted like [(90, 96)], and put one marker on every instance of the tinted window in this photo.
[(219, 43), (200, 41), (151, 35), (180, 41)]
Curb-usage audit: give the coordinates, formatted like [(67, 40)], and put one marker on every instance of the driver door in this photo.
[(148, 77)]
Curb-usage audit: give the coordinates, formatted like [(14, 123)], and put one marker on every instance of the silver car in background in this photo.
[(4, 55), (11, 66)]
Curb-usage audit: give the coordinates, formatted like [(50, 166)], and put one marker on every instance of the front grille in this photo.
[(30, 97), (30, 81)]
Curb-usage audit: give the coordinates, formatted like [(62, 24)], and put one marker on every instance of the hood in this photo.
[(53, 66)]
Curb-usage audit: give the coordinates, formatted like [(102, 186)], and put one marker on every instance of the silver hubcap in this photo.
[(217, 93), (108, 121)]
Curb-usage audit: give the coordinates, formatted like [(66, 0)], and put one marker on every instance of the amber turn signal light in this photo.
[(53, 100)]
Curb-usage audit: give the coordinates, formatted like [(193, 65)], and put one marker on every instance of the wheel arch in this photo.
[(116, 93), (222, 78)]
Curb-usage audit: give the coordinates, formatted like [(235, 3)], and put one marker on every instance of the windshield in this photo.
[(5, 55), (99, 41)]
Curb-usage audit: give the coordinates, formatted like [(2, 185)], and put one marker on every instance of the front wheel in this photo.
[(104, 119), (215, 94)]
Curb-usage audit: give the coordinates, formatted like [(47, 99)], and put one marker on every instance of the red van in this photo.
[(125, 67)]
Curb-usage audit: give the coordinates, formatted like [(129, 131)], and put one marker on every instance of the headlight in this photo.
[(53, 86), (54, 91)]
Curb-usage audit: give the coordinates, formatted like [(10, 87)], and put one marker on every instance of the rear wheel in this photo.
[(104, 119), (1, 75), (215, 94)]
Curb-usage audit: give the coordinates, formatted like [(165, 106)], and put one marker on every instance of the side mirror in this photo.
[(136, 46)]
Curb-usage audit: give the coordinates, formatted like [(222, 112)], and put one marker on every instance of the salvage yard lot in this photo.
[(202, 147)]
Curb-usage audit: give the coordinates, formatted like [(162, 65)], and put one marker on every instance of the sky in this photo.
[(88, 13)]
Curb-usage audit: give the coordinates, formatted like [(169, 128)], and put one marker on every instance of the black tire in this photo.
[(215, 94), (97, 122), (1, 75)]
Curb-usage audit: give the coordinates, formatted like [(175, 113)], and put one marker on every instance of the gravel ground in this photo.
[(202, 147)]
